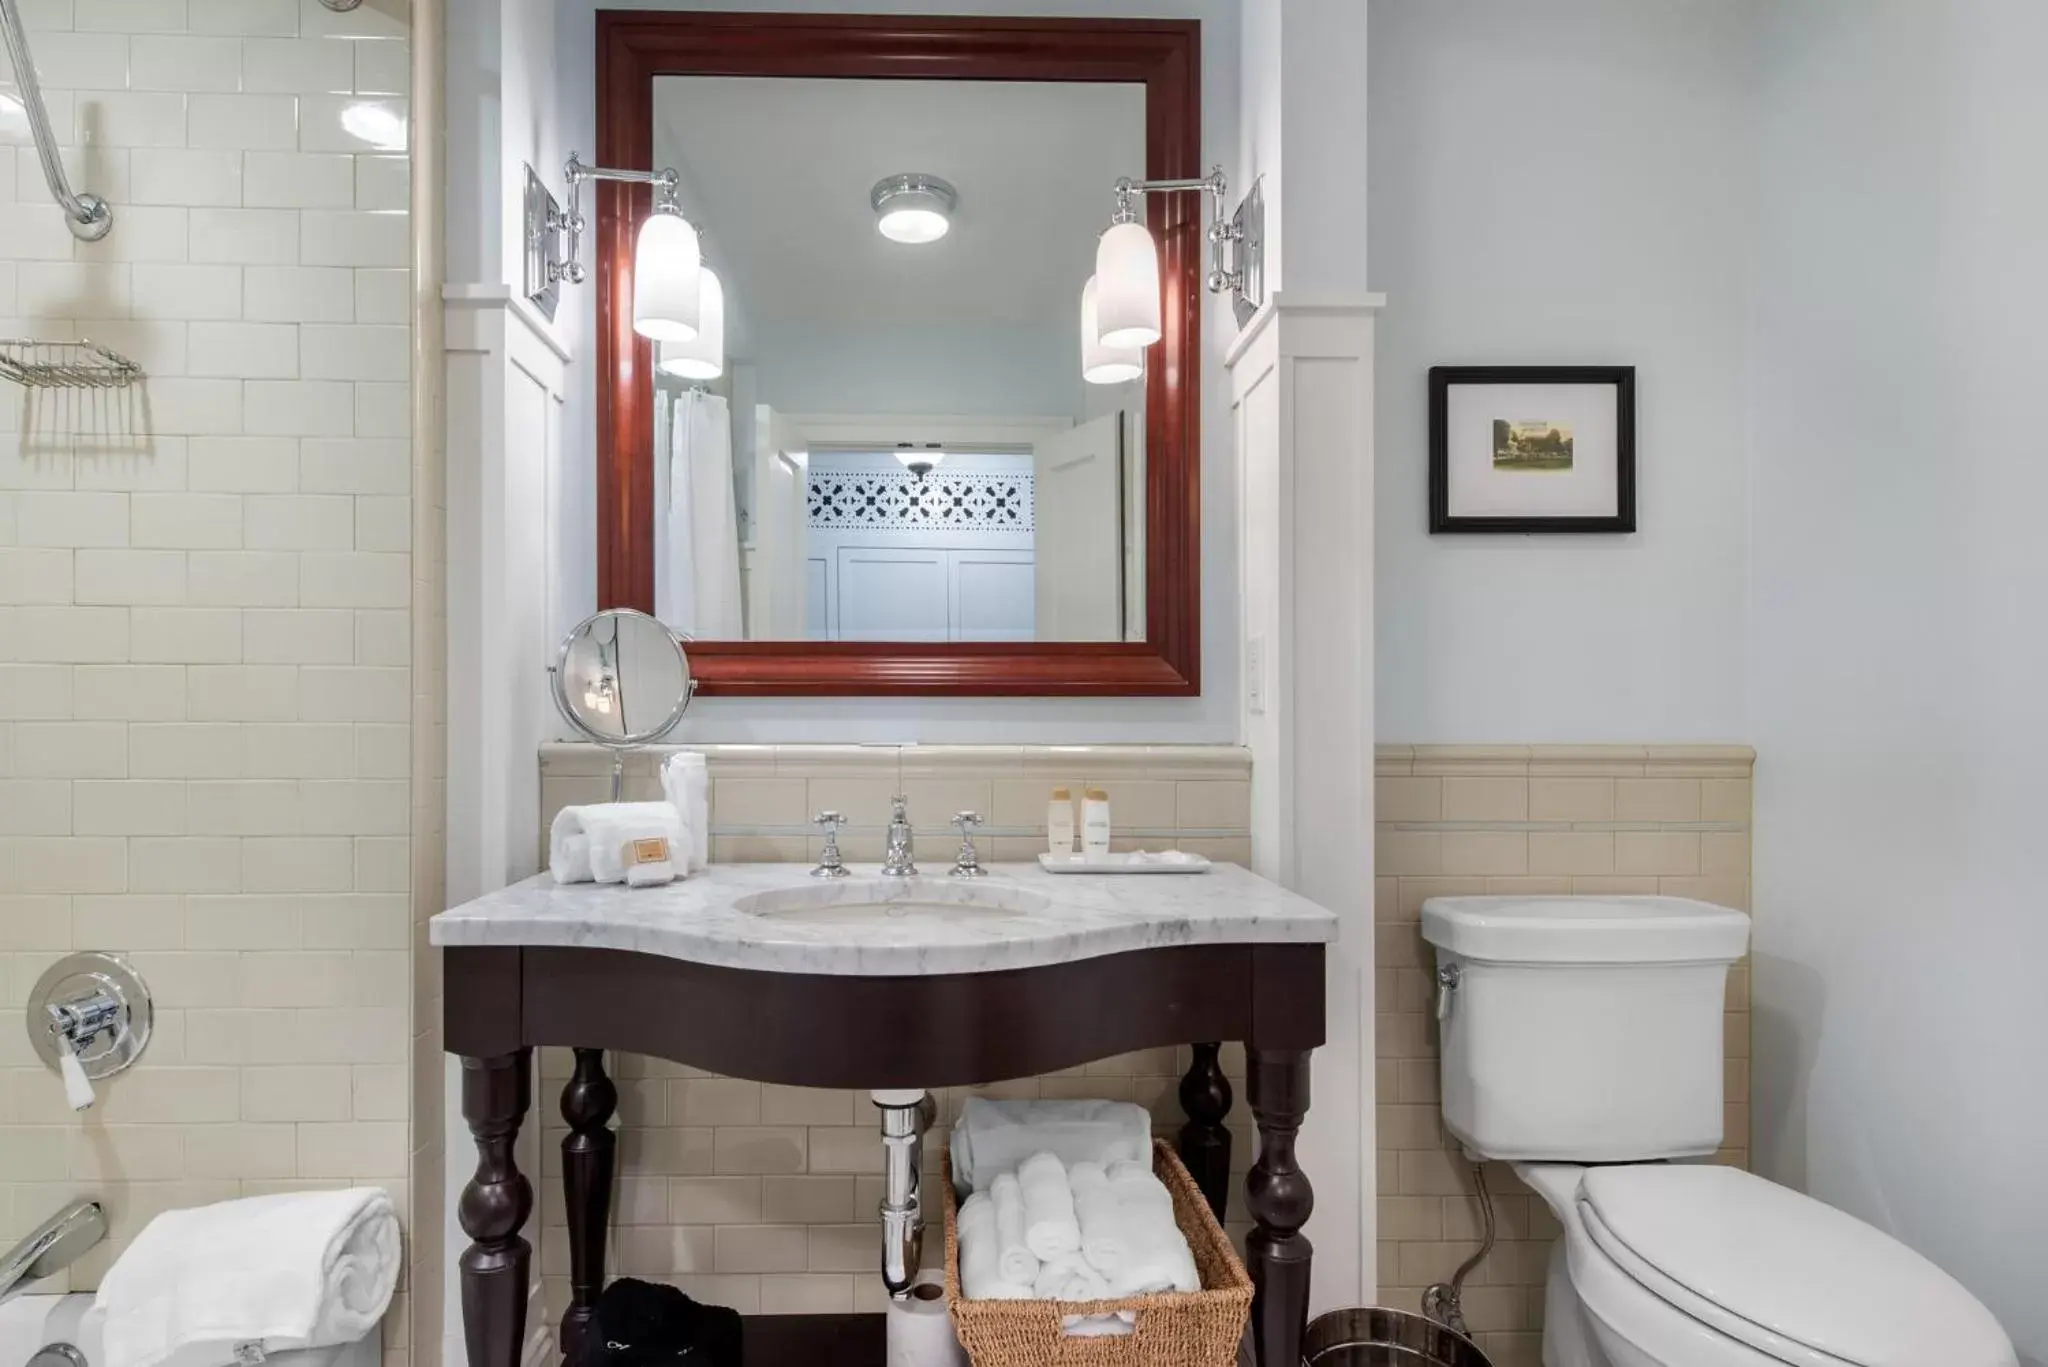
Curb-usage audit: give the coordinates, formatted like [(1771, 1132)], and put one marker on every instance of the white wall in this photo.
[(1213, 716), (1898, 479), (1634, 121)]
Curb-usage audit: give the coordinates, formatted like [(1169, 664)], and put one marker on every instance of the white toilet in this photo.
[(1582, 1043)]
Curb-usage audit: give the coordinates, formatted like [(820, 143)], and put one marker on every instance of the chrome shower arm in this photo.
[(87, 215)]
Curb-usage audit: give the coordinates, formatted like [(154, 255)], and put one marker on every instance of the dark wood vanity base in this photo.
[(815, 1030)]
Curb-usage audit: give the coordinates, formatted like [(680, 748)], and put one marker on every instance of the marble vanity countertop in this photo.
[(1049, 919)]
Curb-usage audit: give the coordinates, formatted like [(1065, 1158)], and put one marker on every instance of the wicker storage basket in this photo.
[(1192, 1329)]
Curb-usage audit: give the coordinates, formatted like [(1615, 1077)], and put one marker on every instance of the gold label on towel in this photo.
[(652, 850)]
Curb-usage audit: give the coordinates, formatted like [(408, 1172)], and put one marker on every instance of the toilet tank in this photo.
[(1582, 1029)]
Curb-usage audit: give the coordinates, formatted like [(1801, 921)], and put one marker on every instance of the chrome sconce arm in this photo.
[(1236, 239), (554, 236)]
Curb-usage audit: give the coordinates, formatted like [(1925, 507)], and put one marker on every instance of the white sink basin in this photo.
[(896, 900)]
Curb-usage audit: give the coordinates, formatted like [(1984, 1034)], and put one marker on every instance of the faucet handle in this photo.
[(968, 865), (830, 865)]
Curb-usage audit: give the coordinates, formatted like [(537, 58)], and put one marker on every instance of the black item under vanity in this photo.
[(645, 1324)]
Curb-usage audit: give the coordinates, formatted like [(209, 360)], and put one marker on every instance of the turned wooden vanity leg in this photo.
[(493, 1209), (1204, 1142), (589, 1156), (1279, 1197)]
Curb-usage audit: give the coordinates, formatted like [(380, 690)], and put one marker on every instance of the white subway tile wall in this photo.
[(763, 1197), (206, 609), (1458, 820)]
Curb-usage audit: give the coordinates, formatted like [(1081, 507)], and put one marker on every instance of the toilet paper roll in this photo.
[(920, 1327)]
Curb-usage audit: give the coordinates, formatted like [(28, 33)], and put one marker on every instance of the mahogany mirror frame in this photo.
[(636, 46)]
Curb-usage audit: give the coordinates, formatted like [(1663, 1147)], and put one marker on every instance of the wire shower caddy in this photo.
[(82, 364)]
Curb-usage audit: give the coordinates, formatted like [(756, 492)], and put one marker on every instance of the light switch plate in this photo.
[(1255, 676)]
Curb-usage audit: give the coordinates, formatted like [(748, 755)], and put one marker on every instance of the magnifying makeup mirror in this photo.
[(622, 680)]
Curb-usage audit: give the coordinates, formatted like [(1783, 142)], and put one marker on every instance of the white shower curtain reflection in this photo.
[(696, 538)]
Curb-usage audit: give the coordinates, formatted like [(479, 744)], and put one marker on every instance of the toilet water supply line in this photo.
[(1442, 1302)]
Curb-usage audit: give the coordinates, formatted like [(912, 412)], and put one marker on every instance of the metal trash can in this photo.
[(1378, 1337)]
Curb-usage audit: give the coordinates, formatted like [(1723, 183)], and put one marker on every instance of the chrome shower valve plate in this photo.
[(82, 977)]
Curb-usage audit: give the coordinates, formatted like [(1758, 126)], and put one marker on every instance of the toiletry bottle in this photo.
[(1059, 822), (1095, 823)]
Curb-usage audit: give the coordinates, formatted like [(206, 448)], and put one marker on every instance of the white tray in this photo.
[(1175, 862)]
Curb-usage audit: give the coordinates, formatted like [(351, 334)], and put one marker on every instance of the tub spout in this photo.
[(52, 1247), (905, 1116)]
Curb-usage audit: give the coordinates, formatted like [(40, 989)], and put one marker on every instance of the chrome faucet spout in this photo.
[(898, 860), (53, 1246)]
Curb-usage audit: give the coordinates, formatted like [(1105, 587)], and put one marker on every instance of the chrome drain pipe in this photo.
[(906, 1113)]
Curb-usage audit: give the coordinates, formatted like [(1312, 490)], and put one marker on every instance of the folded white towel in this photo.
[(639, 843), (1156, 1256), (1050, 1230), (995, 1136), (302, 1270), (981, 1277), (1101, 1216), (686, 783), (1018, 1263), (1099, 1326)]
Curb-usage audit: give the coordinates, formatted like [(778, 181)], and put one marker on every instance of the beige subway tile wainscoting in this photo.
[(763, 1197), (219, 715), (1467, 820)]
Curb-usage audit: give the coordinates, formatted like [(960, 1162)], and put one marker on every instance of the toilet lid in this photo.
[(1786, 1274)]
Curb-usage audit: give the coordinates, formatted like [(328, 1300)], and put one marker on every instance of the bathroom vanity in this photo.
[(759, 971)]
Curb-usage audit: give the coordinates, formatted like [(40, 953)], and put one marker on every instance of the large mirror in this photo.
[(884, 464), (900, 444)]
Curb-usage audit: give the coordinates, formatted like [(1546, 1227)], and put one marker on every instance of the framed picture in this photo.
[(1532, 449)]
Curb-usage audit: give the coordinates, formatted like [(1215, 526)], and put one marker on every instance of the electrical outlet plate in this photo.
[(1255, 676)]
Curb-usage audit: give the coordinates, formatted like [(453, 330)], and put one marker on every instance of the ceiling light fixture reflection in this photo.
[(379, 125), (913, 208), (920, 460)]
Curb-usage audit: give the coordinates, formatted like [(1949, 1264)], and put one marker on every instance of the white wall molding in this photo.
[(1301, 395), (507, 376)]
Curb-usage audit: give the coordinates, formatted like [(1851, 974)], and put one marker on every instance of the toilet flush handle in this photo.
[(1448, 976)]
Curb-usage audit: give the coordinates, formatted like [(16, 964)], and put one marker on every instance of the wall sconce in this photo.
[(667, 258), (701, 357), (1120, 306)]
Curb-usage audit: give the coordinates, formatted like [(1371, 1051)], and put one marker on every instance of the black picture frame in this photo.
[(1443, 377)]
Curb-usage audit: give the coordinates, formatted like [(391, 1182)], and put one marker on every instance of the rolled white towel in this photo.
[(300, 1270), (1019, 1264), (1101, 1216), (981, 1277), (1069, 1278), (568, 847), (1050, 1229)]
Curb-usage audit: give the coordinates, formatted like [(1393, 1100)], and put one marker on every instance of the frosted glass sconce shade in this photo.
[(666, 274), (1104, 364), (1127, 286), (701, 357)]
